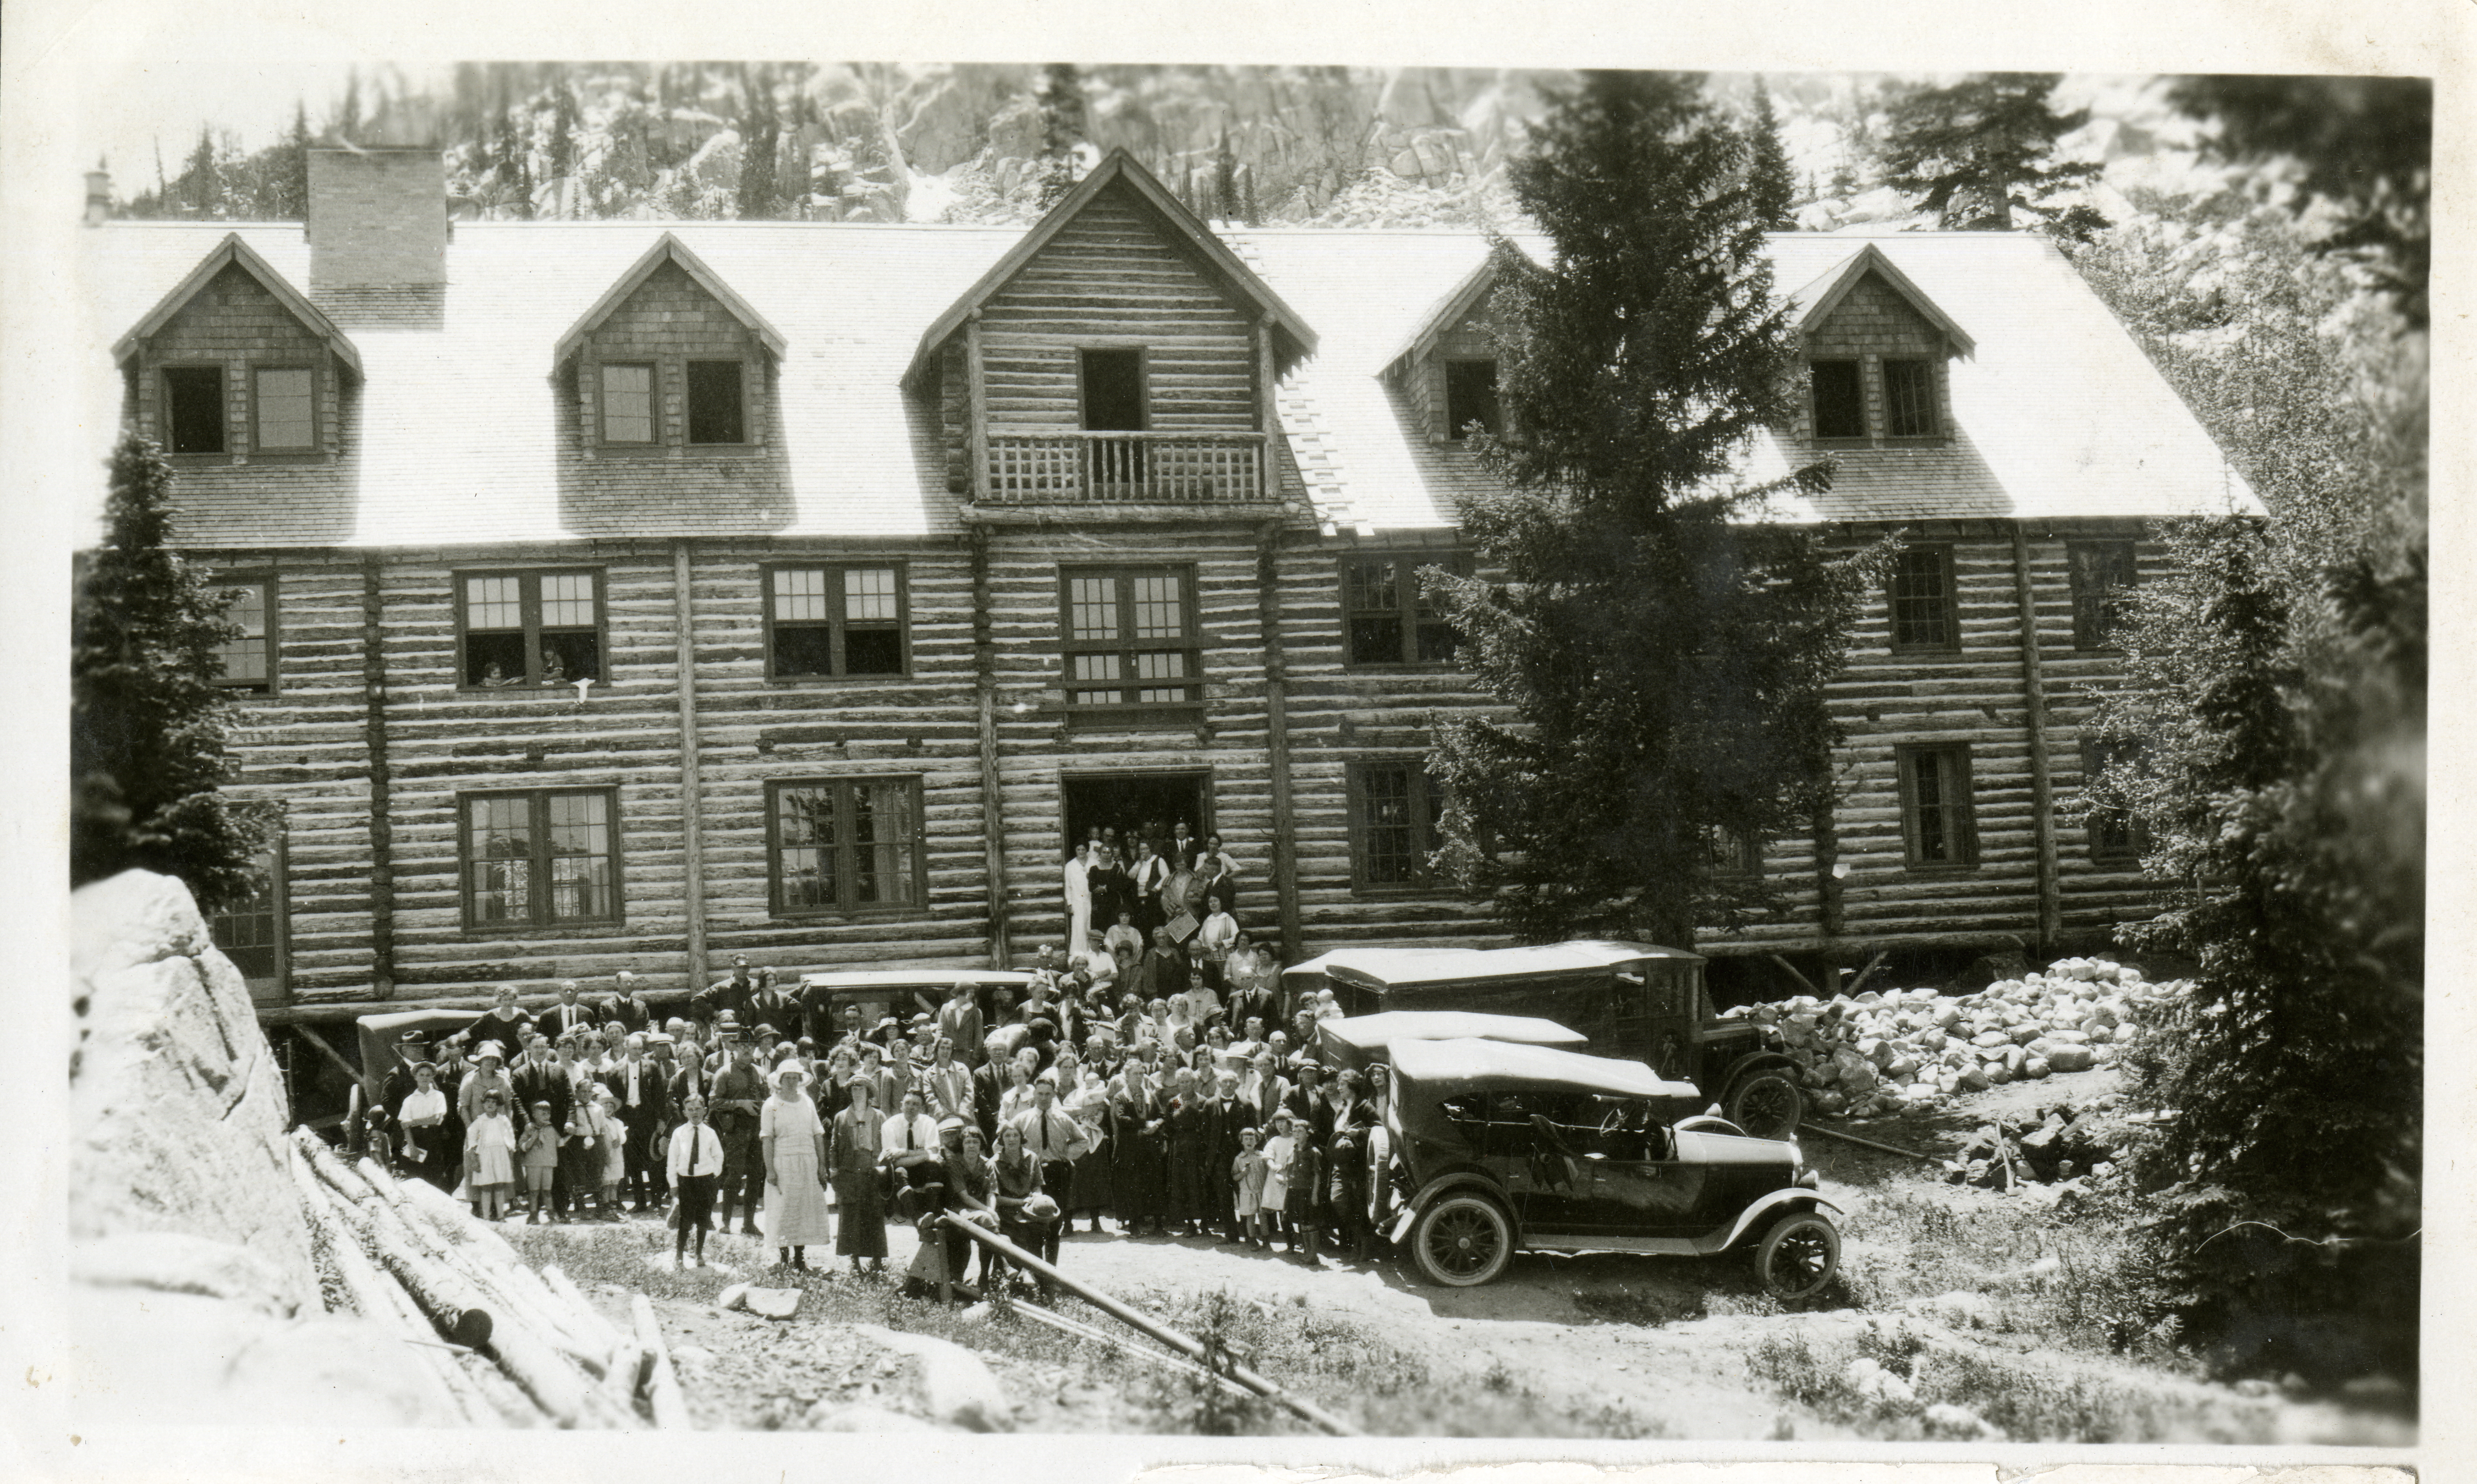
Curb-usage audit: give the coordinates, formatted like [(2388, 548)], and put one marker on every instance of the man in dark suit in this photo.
[(568, 1015), (1247, 1003), (960, 1018), (626, 1004), (644, 1106), (538, 1078), (816, 1002), (988, 1085), (769, 1005), (1308, 1104), (1224, 1115)]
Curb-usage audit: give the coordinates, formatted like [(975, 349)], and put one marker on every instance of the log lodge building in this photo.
[(630, 595)]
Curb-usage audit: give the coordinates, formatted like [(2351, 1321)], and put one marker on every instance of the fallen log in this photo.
[(587, 1324), (1127, 1315), (1125, 1346), (1864, 1144), (499, 1279), (663, 1395)]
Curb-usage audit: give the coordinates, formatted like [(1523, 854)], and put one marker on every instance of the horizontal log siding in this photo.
[(225, 499), (753, 731), (1111, 276)]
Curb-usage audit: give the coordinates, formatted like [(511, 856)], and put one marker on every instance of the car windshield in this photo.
[(1586, 1124)]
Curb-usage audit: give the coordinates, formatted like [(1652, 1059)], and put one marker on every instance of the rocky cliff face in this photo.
[(193, 1292)]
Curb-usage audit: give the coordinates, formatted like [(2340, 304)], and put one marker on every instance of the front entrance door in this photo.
[(1131, 804)]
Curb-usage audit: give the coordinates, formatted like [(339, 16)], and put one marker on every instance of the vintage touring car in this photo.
[(1498, 1147)]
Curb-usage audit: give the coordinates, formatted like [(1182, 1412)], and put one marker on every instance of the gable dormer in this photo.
[(1877, 351), (236, 365), (1119, 354), (671, 361), (1447, 370)]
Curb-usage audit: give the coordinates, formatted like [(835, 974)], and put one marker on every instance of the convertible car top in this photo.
[(1483, 1065)]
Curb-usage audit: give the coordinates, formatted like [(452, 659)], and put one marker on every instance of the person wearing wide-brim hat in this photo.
[(792, 1142), (489, 1075)]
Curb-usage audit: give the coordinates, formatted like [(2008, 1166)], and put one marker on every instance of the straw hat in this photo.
[(790, 1068)]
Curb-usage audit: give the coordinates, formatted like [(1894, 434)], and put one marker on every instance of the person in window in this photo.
[(855, 1153), (553, 670), (493, 677)]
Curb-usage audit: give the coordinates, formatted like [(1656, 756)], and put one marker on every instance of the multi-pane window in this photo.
[(1840, 399), (1922, 599), (1910, 399), (284, 401), (1938, 815), (627, 403), (193, 409), (530, 628), (2115, 834), (1387, 619), (2102, 575), (249, 658), (847, 844), (1130, 641), (250, 931), (834, 620), (716, 397), (1471, 396), (542, 858), (1734, 852), (1394, 808)]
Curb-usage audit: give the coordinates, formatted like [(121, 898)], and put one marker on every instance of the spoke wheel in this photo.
[(1798, 1255), (1461, 1241), (1767, 1105)]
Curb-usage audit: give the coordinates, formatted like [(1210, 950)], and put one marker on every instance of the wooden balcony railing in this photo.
[(1072, 467)]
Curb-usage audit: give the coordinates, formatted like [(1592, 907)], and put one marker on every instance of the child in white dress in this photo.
[(1247, 1188), (1281, 1152), (490, 1147)]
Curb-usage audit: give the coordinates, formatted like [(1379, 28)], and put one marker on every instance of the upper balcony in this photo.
[(1162, 471)]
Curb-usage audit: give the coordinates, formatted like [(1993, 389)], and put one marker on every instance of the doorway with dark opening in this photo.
[(1148, 804)]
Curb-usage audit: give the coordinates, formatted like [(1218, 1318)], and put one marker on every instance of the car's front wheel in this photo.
[(1462, 1241), (1798, 1255), (1767, 1105)]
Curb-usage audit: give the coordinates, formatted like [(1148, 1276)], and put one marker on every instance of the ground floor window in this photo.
[(1938, 814), (540, 858), (846, 844), (1394, 805), (251, 932)]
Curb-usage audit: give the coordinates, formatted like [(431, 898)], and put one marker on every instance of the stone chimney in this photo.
[(378, 220), (99, 196)]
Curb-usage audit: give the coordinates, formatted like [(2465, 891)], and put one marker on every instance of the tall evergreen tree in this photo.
[(1062, 128), (1774, 186), (1225, 181), (1662, 653), (1978, 151), (147, 724), (761, 138)]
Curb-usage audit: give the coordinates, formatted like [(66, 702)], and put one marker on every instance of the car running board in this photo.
[(1663, 1246)]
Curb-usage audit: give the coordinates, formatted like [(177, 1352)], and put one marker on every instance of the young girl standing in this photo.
[(539, 1145), (489, 1150), (1281, 1152), (1247, 1188), (615, 1151)]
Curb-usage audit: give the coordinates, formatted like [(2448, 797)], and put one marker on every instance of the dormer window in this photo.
[(1910, 399), (193, 408), (284, 404), (627, 403), (716, 397), (1471, 398), (1840, 399)]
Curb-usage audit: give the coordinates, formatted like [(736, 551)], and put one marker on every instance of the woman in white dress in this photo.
[(794, 1143), (1078, 906)]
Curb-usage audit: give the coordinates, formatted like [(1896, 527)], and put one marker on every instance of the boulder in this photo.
[(772, 1303), (1960, 1310), (1947, 1422), (2068, 1058), (733, 1297), (1879, 1389), (956, 1384)]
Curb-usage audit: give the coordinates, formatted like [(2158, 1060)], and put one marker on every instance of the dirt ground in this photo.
[(1604, 1344)]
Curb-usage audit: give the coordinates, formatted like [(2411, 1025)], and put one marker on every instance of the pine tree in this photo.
[(1225, 182), (293, 182), (147, 724), (564, 114), (1773, 185), (761, 137), (1061, 129), (1663, 654), (201, 183), (1978, 150)]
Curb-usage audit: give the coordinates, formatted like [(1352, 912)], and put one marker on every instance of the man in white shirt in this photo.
[(913, 1130), (1056, 1138)]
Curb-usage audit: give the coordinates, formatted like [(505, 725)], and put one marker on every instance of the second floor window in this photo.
[(1387, 619), (1471, 398), (2102, 574), (1840, 399), (249, 660), (1922, 599), (1910, 399), (530, 628), (627, 403), (1132, 647), (193, 409), (834, 620), (541, 858)]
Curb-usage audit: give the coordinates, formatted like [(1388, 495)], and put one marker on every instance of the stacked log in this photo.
[(510, 1345), (1879, 1052)]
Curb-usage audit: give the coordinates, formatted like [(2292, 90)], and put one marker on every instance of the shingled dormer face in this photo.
[(233, 377), (671, 369), (1876, 371)]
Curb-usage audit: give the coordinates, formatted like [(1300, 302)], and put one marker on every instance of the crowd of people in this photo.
[(1148, 1078)]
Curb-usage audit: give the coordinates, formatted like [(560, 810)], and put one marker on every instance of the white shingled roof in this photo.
[(2059, 414)]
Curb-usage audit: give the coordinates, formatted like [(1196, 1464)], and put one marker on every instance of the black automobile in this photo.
[(1497, 1148)]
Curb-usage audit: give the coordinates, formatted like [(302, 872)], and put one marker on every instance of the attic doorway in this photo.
[(1138, 803)]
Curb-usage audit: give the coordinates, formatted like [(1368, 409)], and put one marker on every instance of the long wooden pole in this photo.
[(691, 773), (2034, 692), (663, 1395), (374, 745), (985, 685), (1276, 738), (1137, 1319)]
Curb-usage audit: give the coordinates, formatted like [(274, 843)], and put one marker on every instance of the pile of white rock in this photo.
[(1878, 1053)]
